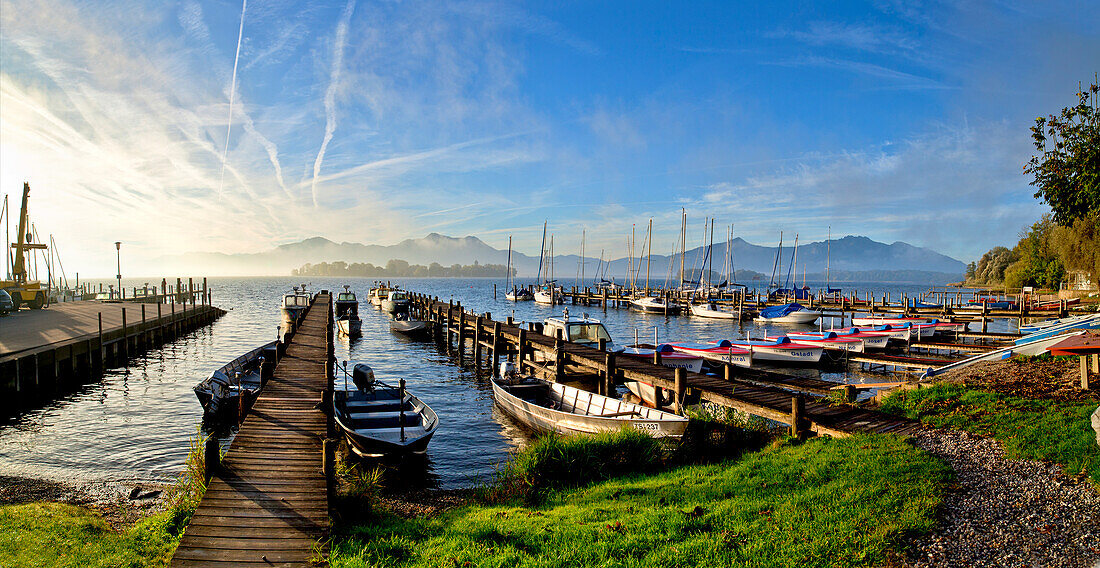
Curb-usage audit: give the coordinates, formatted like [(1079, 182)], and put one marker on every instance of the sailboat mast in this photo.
[(828, 257), (542, 253), (649, 261), (683, 243), (582, 255), (777, 266), (508, 281), (710, 254)]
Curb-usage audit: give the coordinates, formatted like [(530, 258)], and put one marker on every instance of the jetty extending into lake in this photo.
[(796, 401), (51, 349), (267, 501)]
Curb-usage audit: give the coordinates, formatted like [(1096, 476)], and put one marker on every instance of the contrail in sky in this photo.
[(232, 90), (330, 94)]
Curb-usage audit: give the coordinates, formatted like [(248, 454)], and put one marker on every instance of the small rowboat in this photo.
[(826, 339), (887, 320), (721, 352), (231, 390), (781, 350), (554, 407), (873, 337), (379, 419), (410, 327), (669, 357)]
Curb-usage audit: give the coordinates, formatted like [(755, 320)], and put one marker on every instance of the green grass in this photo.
[(56, 534), (825, 502), (1049, 430), (42, 535)]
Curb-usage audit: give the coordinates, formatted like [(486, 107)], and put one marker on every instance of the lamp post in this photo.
[(118, 260)]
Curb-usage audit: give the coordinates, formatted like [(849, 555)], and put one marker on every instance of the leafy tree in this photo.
[(1078, 246), (1038, 263), (1067, 169)]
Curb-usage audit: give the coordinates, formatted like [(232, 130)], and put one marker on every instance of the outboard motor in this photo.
[(508, 371), (363, 376)]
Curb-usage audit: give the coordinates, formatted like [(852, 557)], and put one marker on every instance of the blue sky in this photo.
[(378, 121)]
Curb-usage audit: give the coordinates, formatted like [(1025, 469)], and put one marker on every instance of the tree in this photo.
[(1079, 246), (1067, 169), (1038, 263)]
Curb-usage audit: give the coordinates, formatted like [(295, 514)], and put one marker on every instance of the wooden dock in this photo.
[(771, 395), (57, 346), (267, 504)]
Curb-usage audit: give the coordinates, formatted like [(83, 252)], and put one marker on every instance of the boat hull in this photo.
[(654, 306), (349, 327), (537, 417), (372, 423), (704, 311), (798, 317), (414, 328)]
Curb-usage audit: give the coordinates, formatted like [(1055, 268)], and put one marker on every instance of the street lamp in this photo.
[(118, 259)]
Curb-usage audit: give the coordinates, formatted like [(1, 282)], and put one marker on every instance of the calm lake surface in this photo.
[(133, 425)]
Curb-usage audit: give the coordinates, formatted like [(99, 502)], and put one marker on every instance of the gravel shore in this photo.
[(1008, 513)]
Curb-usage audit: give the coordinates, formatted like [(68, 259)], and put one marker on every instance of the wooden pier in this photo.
[(785, 399), (54, 348), (267, 502)]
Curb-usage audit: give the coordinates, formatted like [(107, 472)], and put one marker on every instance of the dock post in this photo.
[(1084, 372), (477, 344), (212, 456), (609, 373), (496, 348), (727, 371), (559, 355), (680, 375), (519, 349), (99, 348), (125, 333), (798, 410), (850, 393)]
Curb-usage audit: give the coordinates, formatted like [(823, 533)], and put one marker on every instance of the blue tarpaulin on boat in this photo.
[(780, 311)]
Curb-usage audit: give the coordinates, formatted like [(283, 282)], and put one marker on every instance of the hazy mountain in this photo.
[(849, 256)]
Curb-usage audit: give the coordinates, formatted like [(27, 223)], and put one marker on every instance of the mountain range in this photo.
[(849, 255)]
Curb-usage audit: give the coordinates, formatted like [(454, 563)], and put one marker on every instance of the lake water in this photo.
[(133, 425)]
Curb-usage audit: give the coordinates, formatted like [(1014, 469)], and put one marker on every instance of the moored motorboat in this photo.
[(872, 337), (711, 310), (396, 302), (294, 304), (377, 293), (379, 419), (346, 307), (546, 295), (555, 407), (788, 313), (655, 305), (583, 330), (231, 389)]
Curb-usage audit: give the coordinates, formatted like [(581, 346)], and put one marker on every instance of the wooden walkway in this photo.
[(268, 504)]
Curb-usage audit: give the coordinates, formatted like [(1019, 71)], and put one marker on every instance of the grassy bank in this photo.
[(1047, 429), (825, 502), (45, 534)]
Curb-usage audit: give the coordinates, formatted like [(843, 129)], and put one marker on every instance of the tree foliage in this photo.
[(1067, 169), (1037, 262), (1078, 246)]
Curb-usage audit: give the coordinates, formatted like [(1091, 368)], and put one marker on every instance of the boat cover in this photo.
[(780, 311)]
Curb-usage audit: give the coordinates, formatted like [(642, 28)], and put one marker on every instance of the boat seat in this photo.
[(377, 403), (395, 414), (372, 422)]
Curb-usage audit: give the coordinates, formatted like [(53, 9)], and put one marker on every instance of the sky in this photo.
[(231, 127)]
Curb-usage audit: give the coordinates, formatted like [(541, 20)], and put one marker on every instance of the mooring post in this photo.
[(101, 362), (520, 343), (609, 373), (559, 355), (212, 456), (496, 347), (477, 344), (125, 344), (680, 376), (798, 409), (727, 371), (1084, 372), (850, 393)]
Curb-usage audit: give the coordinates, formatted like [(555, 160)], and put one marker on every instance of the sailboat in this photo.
[(514, 293), (547, 293), (653, 304)]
